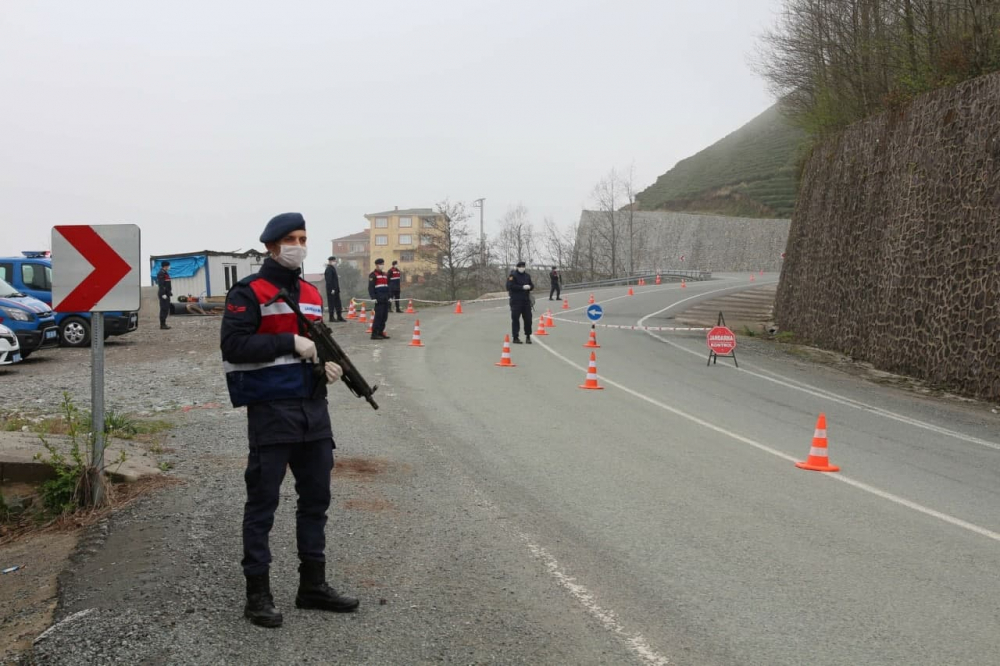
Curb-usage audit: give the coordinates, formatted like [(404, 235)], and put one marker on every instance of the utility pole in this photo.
[(481, 205)]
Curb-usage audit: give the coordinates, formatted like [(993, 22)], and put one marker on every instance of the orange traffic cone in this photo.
[(591, 382), (818, 460), (415, 342), (371, 323), (752, 278), (409, 308), (683, 284), (504, 361), (642, 282), (362, 318), (458, 308), (762, 271), (591, 301), (592, 342), (351, 314), (548, 319), (657, 278), (565, 304), (630, 292), (541, 326)]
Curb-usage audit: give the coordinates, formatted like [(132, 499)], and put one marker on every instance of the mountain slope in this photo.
[(751, 172)]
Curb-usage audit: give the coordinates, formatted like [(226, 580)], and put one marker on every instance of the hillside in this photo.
[(752, 173)]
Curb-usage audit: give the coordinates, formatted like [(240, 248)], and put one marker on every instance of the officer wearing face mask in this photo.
[(519, 286), (269, 364)]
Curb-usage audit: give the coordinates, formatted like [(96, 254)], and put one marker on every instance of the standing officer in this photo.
[(271, 368), (519, 288), (556, 284), (378, 288), (395, 283), (333, 290), (164, 292)]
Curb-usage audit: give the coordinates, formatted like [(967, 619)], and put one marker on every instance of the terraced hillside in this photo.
[(750, 173)]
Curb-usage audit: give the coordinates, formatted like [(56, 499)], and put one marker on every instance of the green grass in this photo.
[(758, 163)]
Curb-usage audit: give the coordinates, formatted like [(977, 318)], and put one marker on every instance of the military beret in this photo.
[(331, 258), (281, 225), (380, 260), (520, 263)]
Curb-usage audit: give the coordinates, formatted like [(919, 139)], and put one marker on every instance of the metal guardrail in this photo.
[(632, 279)]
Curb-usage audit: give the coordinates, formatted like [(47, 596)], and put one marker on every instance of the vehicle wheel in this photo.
[(74, 332)]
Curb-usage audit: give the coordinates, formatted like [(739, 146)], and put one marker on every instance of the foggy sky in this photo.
[(199, 121)]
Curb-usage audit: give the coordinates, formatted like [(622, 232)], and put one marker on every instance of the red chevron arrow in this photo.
[(109, 268)]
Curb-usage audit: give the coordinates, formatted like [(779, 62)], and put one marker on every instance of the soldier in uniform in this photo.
[(271, 368), (395, 284), (378, 288), (163, 293), (519, 288), (555, 284), (333, 290)]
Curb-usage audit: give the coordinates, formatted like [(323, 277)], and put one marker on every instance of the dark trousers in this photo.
[(311, 464), (164, 309), (520, 311), (394, 295), (335, 307), (554, 290), (381, 316)]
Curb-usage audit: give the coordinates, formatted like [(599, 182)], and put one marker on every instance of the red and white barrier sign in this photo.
[(721, 341)]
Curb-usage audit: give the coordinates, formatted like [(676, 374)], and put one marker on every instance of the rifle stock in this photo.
[(328, 350)]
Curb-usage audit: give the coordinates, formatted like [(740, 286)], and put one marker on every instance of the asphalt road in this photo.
[(667, 505), (504, 515)]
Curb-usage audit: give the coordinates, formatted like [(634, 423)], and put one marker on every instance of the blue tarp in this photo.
[(180, 267)]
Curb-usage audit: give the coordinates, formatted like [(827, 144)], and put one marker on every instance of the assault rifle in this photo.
[(328, 350)]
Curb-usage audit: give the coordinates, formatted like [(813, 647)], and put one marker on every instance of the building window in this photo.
[(381, 240), (406, 256), (405, 239), (230, 270), (381, 223), (428, 222), (357, 248), (405, 222), (426, 239)]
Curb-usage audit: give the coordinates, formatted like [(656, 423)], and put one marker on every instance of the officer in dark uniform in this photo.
[(519, 288), (395, 284), (378, 288), (555, 286), (333, 290), (163, 293), (271, 368)]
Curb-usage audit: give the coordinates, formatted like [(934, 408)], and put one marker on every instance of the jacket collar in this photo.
[(278, 275)]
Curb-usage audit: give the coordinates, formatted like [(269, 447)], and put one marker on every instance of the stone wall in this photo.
[(707, 242), (895, 242)]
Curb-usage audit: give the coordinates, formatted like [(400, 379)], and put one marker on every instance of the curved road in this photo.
[(668, 508)]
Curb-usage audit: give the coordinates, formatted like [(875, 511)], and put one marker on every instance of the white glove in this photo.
[(165, 297), (333, 372), (306, 349), (527, 287), (333, 291)]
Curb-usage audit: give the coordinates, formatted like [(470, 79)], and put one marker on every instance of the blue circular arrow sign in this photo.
[(594, 312)]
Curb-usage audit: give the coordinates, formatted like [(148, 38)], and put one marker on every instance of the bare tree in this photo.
[(451, 247), (516, 241), (607, 197), (832, 62)]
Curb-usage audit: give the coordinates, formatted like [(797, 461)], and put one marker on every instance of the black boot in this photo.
[(527, 339), (260, 604), (516, 340), (315, 593)]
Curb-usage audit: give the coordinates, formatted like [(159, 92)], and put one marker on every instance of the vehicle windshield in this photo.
[(7, 291)]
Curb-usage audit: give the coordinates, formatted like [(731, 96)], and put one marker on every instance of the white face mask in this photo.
[(291, 256), (520, 270)]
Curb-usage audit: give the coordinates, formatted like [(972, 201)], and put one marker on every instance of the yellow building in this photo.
[(409, 237)]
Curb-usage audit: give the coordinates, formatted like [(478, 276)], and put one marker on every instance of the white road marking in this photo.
[(797, 385), (958, 522), (607, 618)]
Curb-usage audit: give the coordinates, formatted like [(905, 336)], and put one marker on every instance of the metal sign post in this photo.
[(96, 269)]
